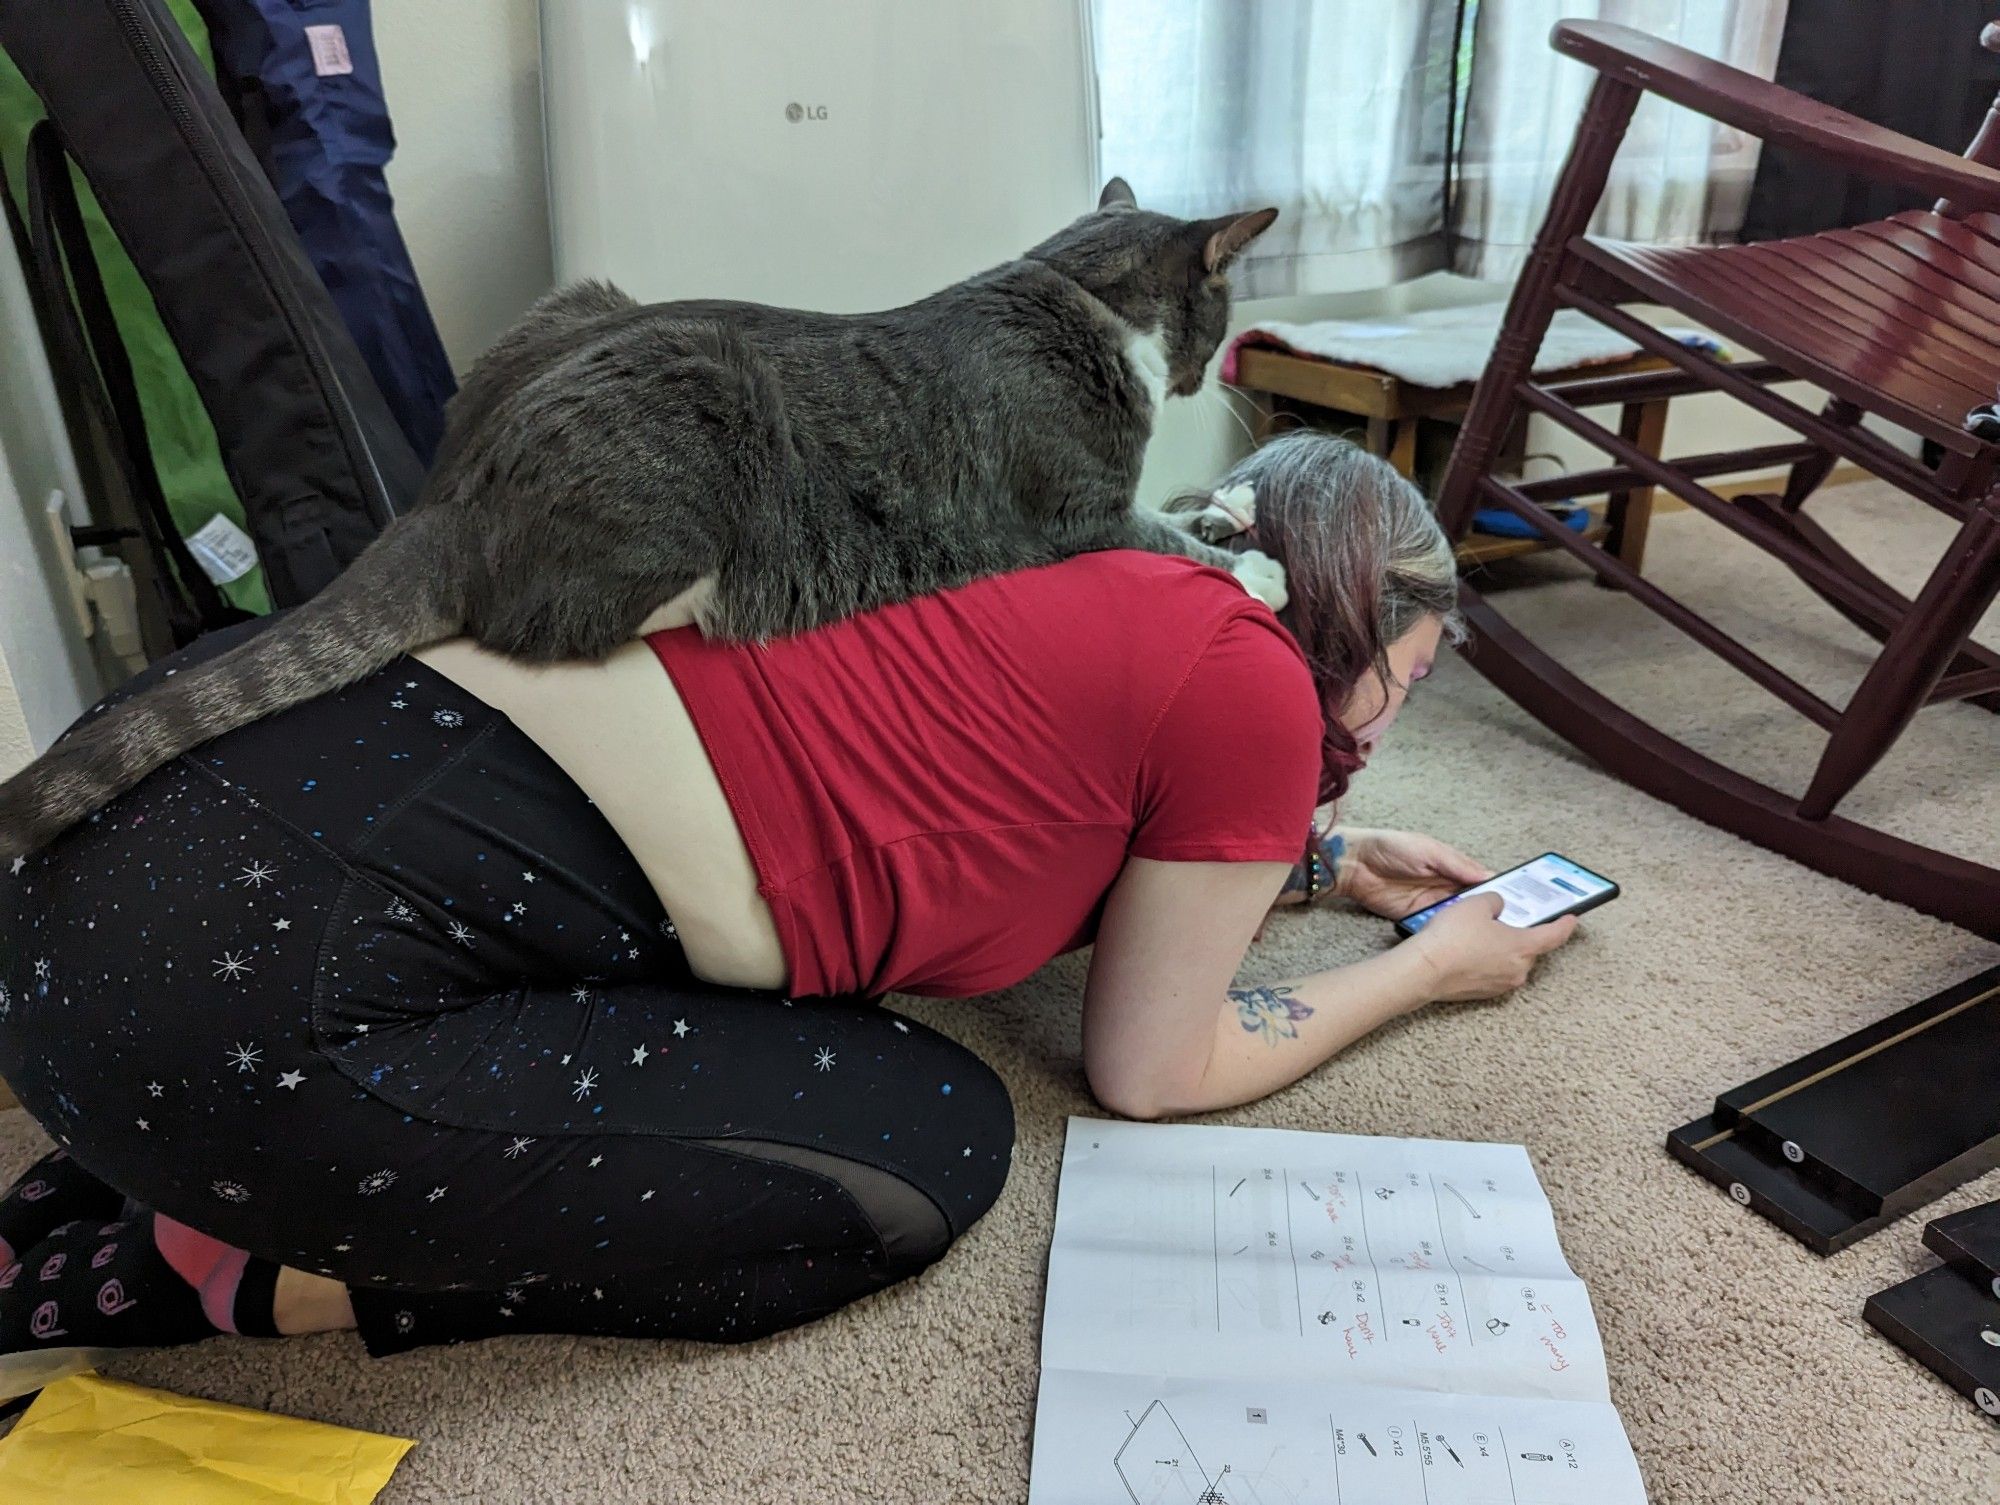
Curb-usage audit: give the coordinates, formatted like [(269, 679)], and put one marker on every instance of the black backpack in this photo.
[(316, 458)]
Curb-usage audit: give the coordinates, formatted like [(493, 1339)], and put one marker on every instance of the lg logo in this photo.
[(798, 112)]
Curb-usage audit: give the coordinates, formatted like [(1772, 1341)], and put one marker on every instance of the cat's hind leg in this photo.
[(625, 485), (1226, 512)]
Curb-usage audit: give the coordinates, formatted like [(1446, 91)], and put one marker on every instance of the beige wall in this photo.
[(16, 748), (47, 671), (463, 80)]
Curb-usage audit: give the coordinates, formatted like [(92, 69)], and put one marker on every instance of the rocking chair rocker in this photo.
[(1899, 318)]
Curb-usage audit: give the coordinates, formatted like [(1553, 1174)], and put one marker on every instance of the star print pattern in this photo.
[(190, 931)]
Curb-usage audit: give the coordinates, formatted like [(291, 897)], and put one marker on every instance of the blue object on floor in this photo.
[(1501, 523)]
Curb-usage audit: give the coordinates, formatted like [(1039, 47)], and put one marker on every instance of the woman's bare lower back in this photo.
[(619, 729)]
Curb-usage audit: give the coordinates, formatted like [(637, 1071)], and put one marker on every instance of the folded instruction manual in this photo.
[(1268, 1317)]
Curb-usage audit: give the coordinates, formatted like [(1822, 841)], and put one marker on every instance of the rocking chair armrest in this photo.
[(1773, 113)]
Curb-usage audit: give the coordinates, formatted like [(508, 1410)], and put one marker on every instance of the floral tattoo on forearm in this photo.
[(1270, 1012)]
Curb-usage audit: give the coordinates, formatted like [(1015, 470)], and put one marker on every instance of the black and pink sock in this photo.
[(111, 1285), (237, 1290), (53, 1191)]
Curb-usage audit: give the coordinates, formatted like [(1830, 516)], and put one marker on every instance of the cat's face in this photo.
[(1161, 275)]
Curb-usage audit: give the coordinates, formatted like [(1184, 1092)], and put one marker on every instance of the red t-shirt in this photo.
[(938, 795)]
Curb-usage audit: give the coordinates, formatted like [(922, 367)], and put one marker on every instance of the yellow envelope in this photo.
[(89, 1438)]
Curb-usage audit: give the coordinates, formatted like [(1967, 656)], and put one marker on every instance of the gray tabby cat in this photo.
[(773, 469)]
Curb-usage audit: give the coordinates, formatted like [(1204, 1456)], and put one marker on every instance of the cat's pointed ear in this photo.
[(1222, 246), (1117, 195)]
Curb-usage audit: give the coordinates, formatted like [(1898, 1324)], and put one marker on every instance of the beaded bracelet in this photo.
[(1314, 864)]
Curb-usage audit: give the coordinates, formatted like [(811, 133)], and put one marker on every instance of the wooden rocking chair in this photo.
[(1899, 318)]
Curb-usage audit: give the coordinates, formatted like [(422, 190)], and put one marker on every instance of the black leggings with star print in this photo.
[(370, 988)]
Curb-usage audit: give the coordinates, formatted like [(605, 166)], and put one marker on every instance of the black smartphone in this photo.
[(1534, 893)]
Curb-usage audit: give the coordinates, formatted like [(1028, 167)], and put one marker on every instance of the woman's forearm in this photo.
[(1269, 1037)]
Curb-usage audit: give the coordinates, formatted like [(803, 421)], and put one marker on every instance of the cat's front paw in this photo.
[(1230, 511), (1262, 576)]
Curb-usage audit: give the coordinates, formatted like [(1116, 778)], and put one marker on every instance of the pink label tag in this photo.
[(329, 49)]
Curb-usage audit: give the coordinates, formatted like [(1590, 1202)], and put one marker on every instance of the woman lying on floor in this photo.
[(480, 999)]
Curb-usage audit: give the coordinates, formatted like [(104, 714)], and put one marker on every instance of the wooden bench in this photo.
[(1291, 389)]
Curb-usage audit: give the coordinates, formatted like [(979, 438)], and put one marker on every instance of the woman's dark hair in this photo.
[(1364, 558)]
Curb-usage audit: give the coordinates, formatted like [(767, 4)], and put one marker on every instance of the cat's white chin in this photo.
[(1262, 576), (1146, 354)]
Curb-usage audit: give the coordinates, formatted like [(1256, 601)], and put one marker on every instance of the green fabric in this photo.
[(182, 440)]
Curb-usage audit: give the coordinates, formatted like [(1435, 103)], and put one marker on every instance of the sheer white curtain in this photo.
[(1679, 179), (1336, 111)]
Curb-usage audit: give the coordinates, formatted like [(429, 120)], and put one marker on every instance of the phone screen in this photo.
[(1532, 893)]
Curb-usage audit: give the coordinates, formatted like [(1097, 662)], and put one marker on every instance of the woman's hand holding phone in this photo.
[(1396, 873), (1470, 954)]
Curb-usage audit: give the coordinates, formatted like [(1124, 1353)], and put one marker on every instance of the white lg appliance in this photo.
[(829, 154)]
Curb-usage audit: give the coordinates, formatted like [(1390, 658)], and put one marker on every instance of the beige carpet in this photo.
[(1740, 1361)]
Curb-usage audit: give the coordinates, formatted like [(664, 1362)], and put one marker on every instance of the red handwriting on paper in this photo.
[(1437, 1340), (1347, 1336), (1558, 1361), (1361, 1325), (1445, 1322), (1555, 1326)]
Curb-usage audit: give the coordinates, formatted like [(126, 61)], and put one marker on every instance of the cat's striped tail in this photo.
[(398, 595)]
